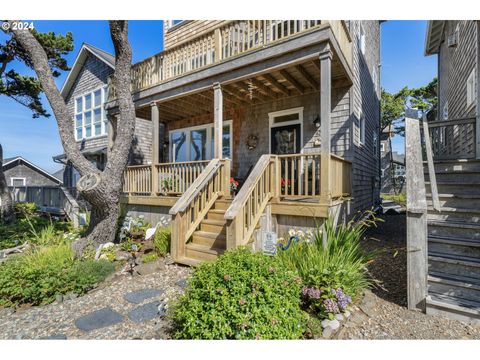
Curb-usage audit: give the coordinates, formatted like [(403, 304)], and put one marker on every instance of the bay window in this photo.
[(90, 117)]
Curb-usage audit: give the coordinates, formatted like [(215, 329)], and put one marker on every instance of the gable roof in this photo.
[(86, 49), (434, 36), (25, 161)]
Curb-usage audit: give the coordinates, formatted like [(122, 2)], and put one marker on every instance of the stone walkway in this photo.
[(126, 308)]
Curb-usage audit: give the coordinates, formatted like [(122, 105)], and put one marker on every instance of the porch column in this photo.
[(325, 134), (218, 120), (155, 143)]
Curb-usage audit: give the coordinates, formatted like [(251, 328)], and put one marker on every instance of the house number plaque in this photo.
[(269, 243)]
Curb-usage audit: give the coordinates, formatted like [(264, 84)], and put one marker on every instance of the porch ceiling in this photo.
[(293, 80)]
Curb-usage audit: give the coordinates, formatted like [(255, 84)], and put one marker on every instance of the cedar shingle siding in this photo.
[(32, 176)]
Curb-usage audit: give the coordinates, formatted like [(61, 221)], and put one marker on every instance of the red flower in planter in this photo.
[(233, 185)]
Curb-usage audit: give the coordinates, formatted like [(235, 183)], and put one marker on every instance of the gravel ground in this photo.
[(382, 313), (59, 318)]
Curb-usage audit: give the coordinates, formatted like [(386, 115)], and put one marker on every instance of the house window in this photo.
[(362, 130), (375, 143), (445, 111), (361, 39), (471, 90), (90, 117), (197, 143), (382, 147), (17, 181)]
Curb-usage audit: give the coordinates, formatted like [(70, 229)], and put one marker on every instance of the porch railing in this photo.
[(292, 177), (228, 40), (189, 211), (248, 206), (453, 139), (162, 179), (176, 178)]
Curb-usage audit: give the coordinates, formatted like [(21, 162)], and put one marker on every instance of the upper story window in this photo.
[(17, 181), (90, 118), (361, 39), (471, 89), (362, 130), (445, 111)]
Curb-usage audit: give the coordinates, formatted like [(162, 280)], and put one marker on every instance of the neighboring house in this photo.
[(28, 182), (290, 108), (453, 225), (386, 160)]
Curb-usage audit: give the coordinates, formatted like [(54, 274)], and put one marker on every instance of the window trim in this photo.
[(471, 84), (103, 121), (361, 40), (208, 127), (362, 129), (271, 123), (24, 179)]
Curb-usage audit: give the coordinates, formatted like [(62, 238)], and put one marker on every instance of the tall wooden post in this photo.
[(218, 120), (417, 262), (325, 133), (155, 144), (218, 45)]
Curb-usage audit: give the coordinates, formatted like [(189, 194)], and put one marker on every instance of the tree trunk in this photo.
[(7, 215), (100, 188)]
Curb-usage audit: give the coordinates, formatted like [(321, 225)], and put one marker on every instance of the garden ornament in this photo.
[(285, 247)]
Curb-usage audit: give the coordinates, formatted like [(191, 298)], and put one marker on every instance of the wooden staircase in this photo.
[(454, 241), (210, 240)]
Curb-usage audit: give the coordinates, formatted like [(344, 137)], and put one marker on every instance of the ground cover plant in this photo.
[(242, 295)]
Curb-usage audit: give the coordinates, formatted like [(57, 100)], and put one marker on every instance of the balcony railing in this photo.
[(227, 41)]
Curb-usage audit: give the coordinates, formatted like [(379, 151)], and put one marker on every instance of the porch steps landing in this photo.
[(209, 241), (454, 241)]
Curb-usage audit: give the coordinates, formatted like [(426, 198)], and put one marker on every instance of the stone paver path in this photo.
[(125, 308)]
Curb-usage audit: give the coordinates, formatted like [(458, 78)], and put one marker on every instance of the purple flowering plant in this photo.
[(326, 302)]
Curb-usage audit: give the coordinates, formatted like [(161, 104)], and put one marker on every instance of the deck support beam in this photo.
[(155, 146), (325, 133), (218, 120)]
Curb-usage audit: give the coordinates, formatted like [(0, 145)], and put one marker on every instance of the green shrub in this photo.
[(150, 257), (242, 295), (30, 228), (335, 274), (23, 210), (162, 240), (37, 276)]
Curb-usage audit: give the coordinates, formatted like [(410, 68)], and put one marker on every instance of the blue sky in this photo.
[(403, 64)]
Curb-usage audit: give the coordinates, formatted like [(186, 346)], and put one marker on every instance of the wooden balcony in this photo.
[(225, 42)]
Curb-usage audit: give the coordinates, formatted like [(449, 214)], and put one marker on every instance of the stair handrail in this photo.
[(70, 206), (196, 187), (192, 207), (237, 231), (430, 164)]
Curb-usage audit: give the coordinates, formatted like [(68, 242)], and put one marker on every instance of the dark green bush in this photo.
[(161, 240), (242, 295), (39, 275), (23, 210)]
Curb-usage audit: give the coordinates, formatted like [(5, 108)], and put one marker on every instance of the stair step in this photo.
[(454, 308), (456, 165), (460, 289), (459, 215), (202, 252), (454, 246), (214, 226), (458, 229), (453, 264), (455, 188), (216, 214), (454, 201), (222, 204), (210, 239)]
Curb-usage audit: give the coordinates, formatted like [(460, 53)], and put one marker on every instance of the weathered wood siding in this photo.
[(32, 176), (184, 31), (365, 100), (454, 66)]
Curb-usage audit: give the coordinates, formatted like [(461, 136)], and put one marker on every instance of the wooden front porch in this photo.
[(207, 219)]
